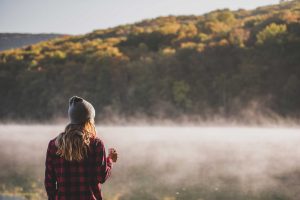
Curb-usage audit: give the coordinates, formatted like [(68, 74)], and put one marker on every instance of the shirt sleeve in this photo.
[(103, 163), (50, 178)]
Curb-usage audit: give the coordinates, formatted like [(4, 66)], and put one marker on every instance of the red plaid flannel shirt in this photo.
[(77, 180)]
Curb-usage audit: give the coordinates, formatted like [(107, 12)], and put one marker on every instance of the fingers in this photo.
[(113, 154), (112, 150)]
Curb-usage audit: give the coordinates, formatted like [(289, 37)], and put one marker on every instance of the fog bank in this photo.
[(161, 162)]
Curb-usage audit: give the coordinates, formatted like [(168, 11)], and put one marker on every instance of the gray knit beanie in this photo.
[(80, 110)]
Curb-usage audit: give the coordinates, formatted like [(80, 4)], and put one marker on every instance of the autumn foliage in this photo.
[(215, 64)]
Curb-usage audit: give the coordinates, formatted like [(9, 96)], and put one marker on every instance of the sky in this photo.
[(84, 16)]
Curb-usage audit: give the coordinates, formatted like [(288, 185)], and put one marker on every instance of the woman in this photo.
[(76, 162)]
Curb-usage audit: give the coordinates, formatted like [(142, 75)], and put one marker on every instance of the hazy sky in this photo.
[(82, 16)]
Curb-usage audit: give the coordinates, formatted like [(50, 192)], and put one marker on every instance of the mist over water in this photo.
[(169, 163)]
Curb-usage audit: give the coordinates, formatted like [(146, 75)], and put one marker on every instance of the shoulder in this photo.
[(52, 145), (97, 143), (52, 141)]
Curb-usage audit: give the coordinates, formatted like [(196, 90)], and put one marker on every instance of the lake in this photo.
[(167, 163)]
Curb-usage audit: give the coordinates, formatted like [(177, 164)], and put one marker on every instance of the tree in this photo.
[(270, 33), (180, 94)]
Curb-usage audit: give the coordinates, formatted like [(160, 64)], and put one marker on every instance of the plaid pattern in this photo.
[(73, 180)]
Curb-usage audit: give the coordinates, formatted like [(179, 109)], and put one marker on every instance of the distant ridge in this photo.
[(17, 40)]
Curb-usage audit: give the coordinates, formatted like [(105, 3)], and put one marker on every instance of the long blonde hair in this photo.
[(73, 143)]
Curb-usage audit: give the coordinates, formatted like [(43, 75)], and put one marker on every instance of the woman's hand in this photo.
[(113, 154)]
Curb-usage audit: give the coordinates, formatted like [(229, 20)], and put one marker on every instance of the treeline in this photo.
[(220, 63)]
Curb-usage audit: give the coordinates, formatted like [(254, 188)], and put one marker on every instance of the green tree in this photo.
[(180, 93), (271, 32)]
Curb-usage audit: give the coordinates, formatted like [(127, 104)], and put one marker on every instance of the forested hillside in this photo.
[(17, 40), (223, 63)]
